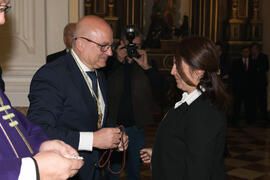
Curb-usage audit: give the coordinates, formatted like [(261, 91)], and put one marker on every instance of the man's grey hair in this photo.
[(74, 39), (67, 27)]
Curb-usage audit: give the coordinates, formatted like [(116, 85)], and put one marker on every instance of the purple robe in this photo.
[(19, 138)]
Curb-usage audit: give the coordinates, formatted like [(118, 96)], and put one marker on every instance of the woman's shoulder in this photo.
[(206, 111)]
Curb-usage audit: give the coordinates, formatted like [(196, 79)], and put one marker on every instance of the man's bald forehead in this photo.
[(91, 22), (92, 18)]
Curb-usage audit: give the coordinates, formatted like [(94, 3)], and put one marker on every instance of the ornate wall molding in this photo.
[(205, 18), (24, 25), (24, 42)]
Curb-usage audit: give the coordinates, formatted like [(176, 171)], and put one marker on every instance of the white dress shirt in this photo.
[(188, 98), (86, 138), (245, 62), (28, 169)]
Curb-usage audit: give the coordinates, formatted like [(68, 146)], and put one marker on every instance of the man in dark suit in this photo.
[(261, 69), (67, 37), (68, 96), (243, 89), (224, 64)]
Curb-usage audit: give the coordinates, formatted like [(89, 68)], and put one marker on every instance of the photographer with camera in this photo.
[(131, 79)]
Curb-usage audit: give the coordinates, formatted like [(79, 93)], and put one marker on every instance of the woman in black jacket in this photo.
[(190, 141)]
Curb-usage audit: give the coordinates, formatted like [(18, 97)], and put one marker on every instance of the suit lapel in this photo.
[(102, 86), (79, 82)]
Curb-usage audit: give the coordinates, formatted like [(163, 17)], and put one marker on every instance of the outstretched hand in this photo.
[(146, 155), (53, 166), (59, 147)]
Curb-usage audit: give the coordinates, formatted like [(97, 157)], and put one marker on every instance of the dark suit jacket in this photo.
[(243, 80), (61, 103), (262, 67), (190, 142), (54, 56)]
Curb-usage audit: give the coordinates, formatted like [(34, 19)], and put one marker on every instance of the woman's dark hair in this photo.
[(200, 54)]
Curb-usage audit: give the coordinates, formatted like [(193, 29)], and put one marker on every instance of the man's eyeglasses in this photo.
[(103, 47), (5, 9)]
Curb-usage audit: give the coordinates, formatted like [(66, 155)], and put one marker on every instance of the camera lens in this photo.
[(131, 47), (130, 29)]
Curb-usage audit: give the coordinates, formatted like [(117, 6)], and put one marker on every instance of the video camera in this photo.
[(131, 47)]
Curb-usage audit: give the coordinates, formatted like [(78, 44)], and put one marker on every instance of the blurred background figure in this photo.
[(243, 76), (225, 69), (261, 68), (132, 78), (224, 64), (67, 37)]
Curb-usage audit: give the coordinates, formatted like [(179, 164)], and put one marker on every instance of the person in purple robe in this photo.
[(25, 152)]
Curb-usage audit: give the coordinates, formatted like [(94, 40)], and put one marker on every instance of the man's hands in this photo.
[(122, 54), (59, 147), (53, 161), (142, 61), (146, 155), (53, 166), (109, 138), (123, 145)]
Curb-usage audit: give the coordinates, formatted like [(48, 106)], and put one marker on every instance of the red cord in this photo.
[(110, 153)]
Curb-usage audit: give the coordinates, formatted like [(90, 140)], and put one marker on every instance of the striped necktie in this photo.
[(93, 77)]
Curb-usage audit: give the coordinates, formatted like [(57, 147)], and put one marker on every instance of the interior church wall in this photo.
[(56, 19), (23, 47), (33, 30)]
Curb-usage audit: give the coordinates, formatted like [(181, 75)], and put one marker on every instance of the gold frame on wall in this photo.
[(206, 23), (240, 8), (100, 12)]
